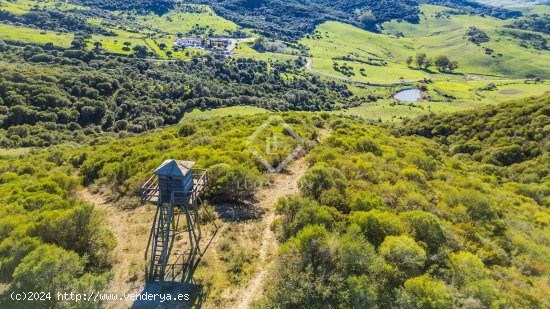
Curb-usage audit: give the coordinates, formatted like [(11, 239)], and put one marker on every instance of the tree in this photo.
[(409, 61), (186, 130), (162, 46), (354, 253), (49, 269), (426, 228), (376, 225), (425, 293), (320, 178), (403, 253), (442, 62), (126, 46), (466, 267), (365, 201), (428, 62), (140, 51), (260, 44), (306, 272), (420, 59), (78, 43), (289, 207), (366, 144), (121, 125), (169, 53), (235, 184), (97, 45)]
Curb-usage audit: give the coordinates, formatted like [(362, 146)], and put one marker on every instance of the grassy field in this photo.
[(386, 110), (115, 44), (434, 36), (474, 90), (224, 111), (29, 35), (23, 6), (151, 29), (446, 36), (180, 21), (467, 95), (524, 6)]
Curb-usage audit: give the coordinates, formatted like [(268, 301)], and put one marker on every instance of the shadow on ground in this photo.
[(179, 290), (238, 213), (170, 295)]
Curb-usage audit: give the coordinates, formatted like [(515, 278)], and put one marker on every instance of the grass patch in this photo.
[(180, 21), (224, 111), (29, 35), (15, 152)]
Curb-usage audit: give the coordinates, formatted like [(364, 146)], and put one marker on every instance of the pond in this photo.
[(409, 95)]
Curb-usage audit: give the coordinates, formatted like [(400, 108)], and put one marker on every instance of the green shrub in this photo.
[(377, 225)]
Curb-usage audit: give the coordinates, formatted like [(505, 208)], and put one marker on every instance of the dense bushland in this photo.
[(290, 20), (49, 95), (511, 139), (475, 7), (386, 221), (140, 6), (535, 22), (121, 166), (56, 20), (49, 240), (53, 242)]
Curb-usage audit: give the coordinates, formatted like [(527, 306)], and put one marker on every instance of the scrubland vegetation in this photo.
[(50, 241), (42, 220), (387, 221), (435, 210), (44, 104)]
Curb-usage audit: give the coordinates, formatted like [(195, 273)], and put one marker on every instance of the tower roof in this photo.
[(171, 167)]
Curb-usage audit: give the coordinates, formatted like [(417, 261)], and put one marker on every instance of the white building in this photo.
[(188, 42)]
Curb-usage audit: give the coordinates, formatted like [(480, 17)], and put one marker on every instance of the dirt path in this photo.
[(130, 229), (282, 185)]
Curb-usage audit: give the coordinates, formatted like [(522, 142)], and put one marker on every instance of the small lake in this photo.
[(409, 95)]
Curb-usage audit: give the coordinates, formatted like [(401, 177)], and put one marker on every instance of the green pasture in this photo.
[(30, 35), (17, 7), (433, 36), (23, 6), (447, 36), (468, 95), (473, 91), (526, 7), (224, 111), (177, 21), (376, 74), (115, 44)]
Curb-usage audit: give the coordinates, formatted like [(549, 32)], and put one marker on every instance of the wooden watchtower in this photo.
[(175, 187)]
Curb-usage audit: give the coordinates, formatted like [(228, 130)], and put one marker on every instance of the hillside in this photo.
[(510, 140), (293, 19), (367, 195), (348, 154), (81, 93), (396, 222)]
